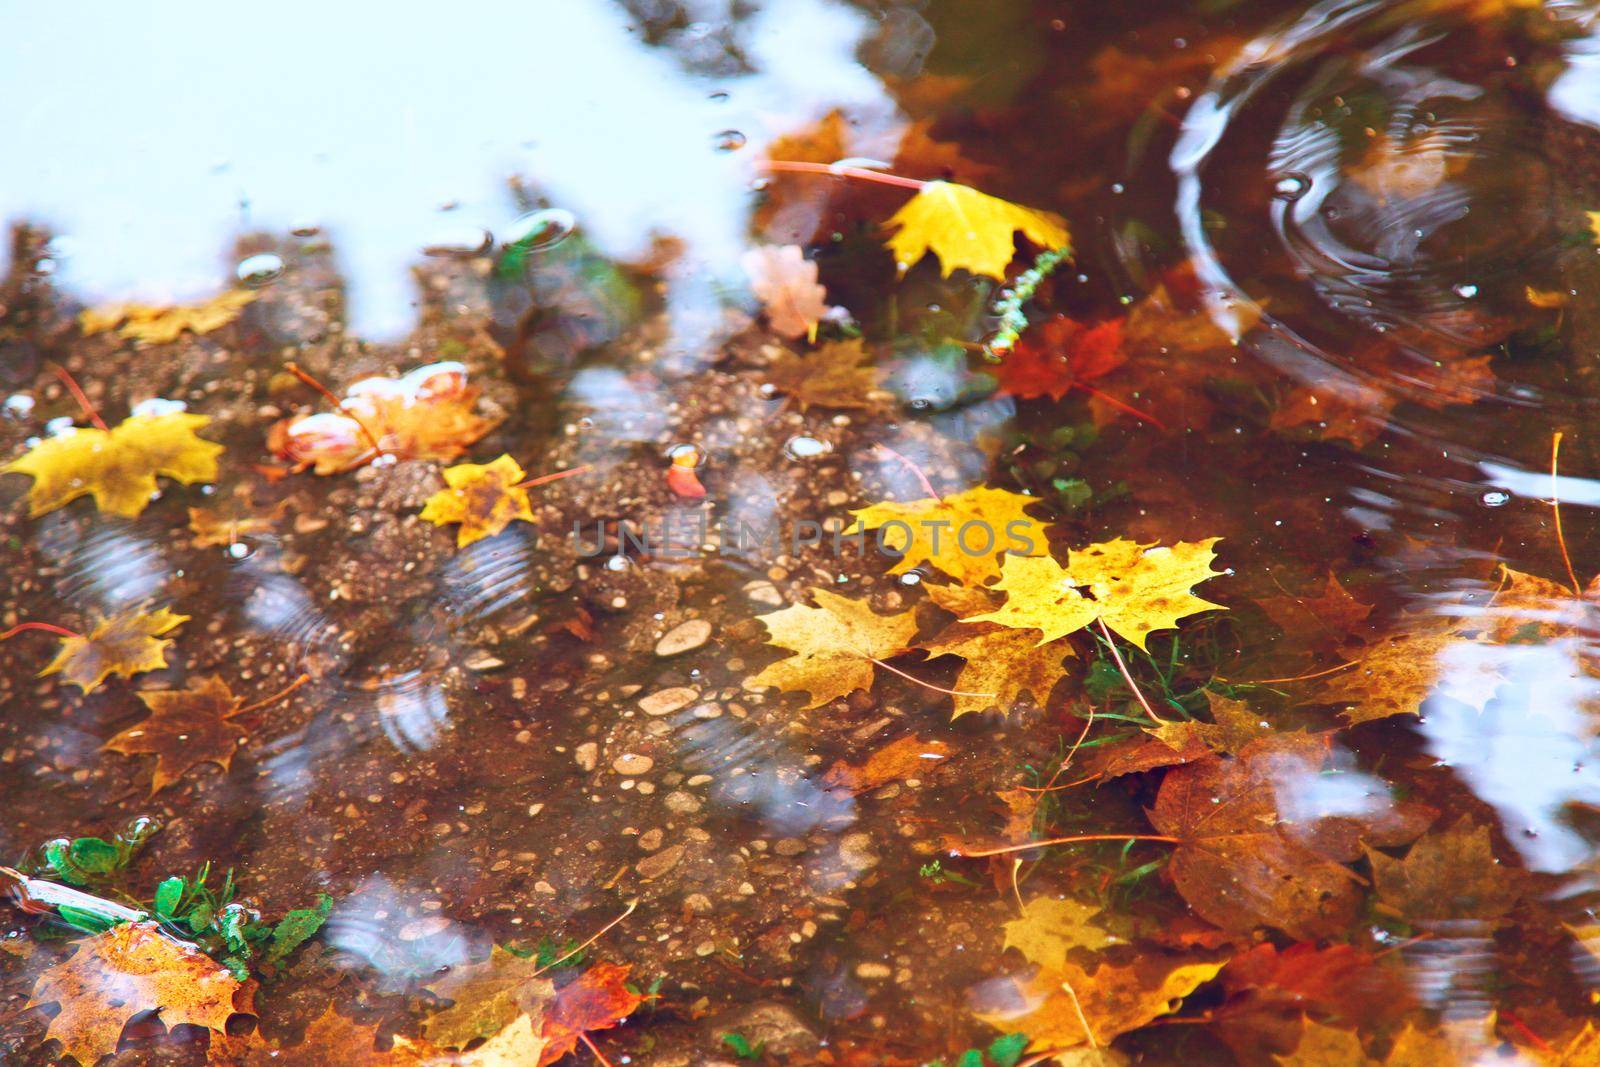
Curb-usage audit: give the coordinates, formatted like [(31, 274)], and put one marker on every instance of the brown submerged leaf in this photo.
[(186, 728), (840, 375), (1448, 875), (487, 997), (907, 757)]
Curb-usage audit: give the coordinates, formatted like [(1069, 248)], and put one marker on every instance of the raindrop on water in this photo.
[(19, 405), (685, 456), (911, 578), (728, 141), (1291, 187), (538, 230), (259, 270), (1466, 290), (1495, 498)]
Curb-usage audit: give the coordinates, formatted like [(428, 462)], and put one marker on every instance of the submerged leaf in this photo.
[(487, 997), (118, 467), (186, 727), (162, 325), (834, 645), (1050, 928), (786, 283), (484, 498), (1057, 354), (969, 229), (130, 969), (907, 757), (840, 374), (1448, 875), (125, 644)]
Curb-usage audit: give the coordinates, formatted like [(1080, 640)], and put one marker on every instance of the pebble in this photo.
[(684, 637), (587, 755), (655, 866), (680, 803), (764, 593), (632, 763), (789, 846), (873, 970), (667, 701), (650, 840), (855, 851), (421, 928)]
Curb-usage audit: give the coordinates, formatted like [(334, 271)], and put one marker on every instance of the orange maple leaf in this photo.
[(598, 1000)]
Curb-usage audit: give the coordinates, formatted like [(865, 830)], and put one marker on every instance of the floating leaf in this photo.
[(129, 969), (484, 498), (963, 534), (1057, 354), (186, 727), (969, 229), (118, 467), (1001, 665), (840, 374), (834, 646), (487, 997), (126, 644), (429, 413), (1134, 589), (1395, 675), (162, 325), (1324, 620), (785, 281)]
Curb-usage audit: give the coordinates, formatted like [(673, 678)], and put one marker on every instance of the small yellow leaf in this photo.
[(966, 228), (834, 645), (1050, 928), (118, 467), (962, 534), (1594, 225), (1134, 589), (484, 498), (127, 644), (1002, 664), (163, 325)]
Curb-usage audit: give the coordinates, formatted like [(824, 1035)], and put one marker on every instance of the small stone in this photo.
[(421, 928), (873, 971), (705, 948), (667, 701), (587, 755), (632, 763), (855, 850), (652, 867), (764, 593), (698, 903), (680, 803), (789, 846), (684, 638), (650, 840), (483, 663)]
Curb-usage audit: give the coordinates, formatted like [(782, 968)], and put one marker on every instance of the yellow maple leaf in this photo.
[(1062, 1008), (486, 997), (1049, 928), (840, 374), (1134, 589), (966, 228), (963, 534), (118, 467), (484, 498), (834, 646), (128, 643), (1594, 225), (1396, 675), (130, 969), (1001, 665), (155, 325)]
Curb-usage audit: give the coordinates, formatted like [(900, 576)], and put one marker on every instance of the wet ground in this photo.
[(1347, 252)]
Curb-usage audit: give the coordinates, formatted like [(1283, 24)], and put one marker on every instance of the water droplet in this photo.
[(1291, 187), (802, 447), (911, 578), (241, 549), (619, 562), (19, 405), (60, 426), (586, 423), (538, 230), (728, 141), (920, 403), (759, 184), (258, 270), (1118, 188), (685, 456), (460, 242), (1495, 498), (1466, 290)]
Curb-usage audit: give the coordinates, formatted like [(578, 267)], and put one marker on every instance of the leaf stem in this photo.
[(928, 685), (1127, 675), (77, 394), (1074, 839), (927, 486), (275, 697), (858, 173), (47, 627), (1555, 506), (294, 369), (557, 476), (601, 1056), (634, 903)]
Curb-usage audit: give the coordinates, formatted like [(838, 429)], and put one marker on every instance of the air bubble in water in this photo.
[(803, 447), (1291, 187), (1466, 291), (1495, 498), (259, 270), (728, 141)]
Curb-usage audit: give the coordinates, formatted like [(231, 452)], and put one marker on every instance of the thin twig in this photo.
[(601, 1056), (47, 627), (1127, 675), (294, 369), (1296, 678), (77, 394), (1072, 840), (634, 903), (929, 685), (927, 486), (275, 697), (858, 173), (557, 476)]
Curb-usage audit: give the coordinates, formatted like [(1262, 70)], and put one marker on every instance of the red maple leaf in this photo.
[(1056, 355), (598, 1000)]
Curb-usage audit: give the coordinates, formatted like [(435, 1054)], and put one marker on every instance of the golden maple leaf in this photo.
[(1065, 1007), (840, 374), (128, 643), (487, 996), (936, 531), (162, 325), (333, 1038), (834, 646), (1395, 675), (1001, 665), (186, 727), (129, 969), (966, 228), (118, 467), (213, 528), (1134, 589), (785, 282), (1049, 928), (484, 498)]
